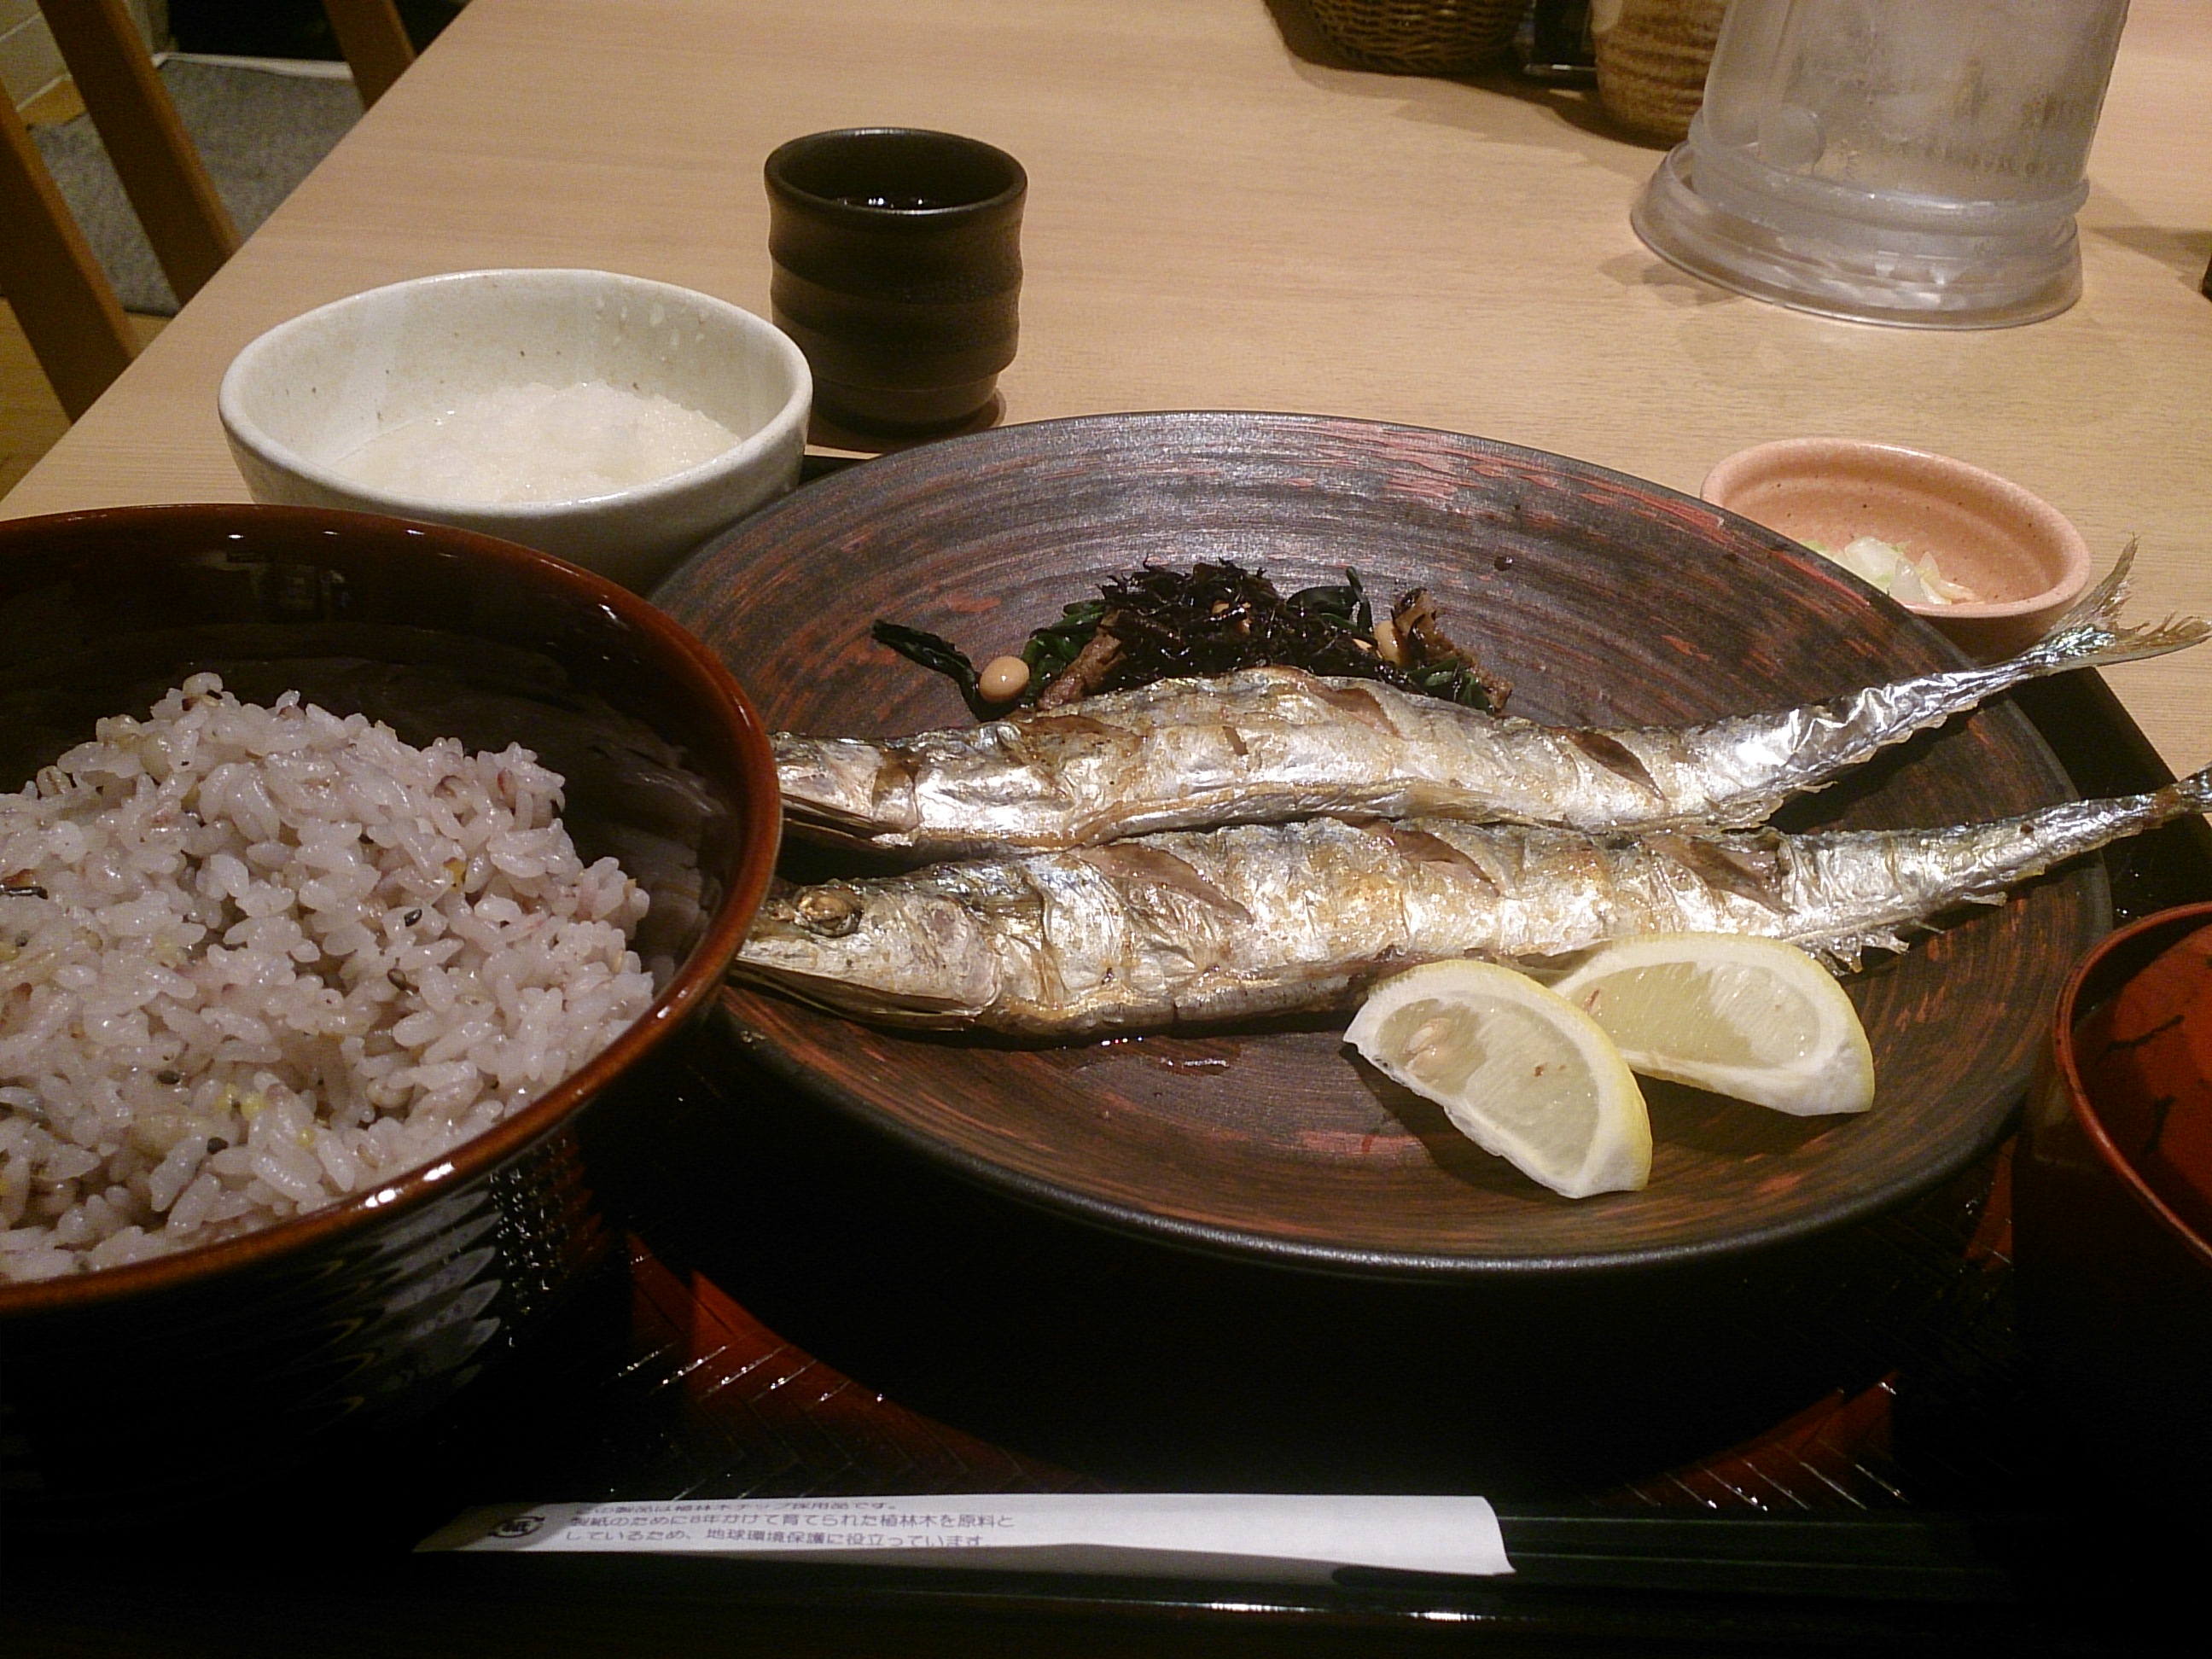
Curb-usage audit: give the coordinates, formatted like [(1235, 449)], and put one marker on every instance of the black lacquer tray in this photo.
[(804, 1310)]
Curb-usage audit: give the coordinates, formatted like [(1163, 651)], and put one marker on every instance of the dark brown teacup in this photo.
[(898, 269)]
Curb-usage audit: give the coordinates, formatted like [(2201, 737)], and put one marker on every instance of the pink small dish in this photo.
[(2019, 554)]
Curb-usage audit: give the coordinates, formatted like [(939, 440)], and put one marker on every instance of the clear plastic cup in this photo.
[(1892, 160)]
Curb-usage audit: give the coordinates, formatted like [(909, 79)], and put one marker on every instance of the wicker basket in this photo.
[(1651, 63), (1420, 37)]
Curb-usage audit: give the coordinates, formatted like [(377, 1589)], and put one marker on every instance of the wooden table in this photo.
[(1221, 216)]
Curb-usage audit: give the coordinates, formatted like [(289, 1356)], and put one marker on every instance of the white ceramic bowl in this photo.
[(2025, 561), (312, 390)]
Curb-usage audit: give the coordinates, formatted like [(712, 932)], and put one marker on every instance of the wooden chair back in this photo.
[(47, 270)]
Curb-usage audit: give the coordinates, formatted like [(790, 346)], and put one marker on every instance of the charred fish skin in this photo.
[(1271, 745), (1202, 927)]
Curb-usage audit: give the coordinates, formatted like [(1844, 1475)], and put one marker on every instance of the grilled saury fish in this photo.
[(1269, 744), (1201, 926)]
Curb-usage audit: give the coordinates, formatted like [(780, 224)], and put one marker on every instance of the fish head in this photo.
[(842, 788), (876, 949)]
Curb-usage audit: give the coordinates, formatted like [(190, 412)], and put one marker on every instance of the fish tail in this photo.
[(2090, 633), (2191, 794)]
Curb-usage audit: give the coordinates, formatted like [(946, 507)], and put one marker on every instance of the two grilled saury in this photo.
[(1368, 831)]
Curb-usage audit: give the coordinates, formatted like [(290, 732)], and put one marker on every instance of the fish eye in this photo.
[(829, 911)]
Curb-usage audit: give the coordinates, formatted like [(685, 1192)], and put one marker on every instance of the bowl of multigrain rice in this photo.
[(347, 862)]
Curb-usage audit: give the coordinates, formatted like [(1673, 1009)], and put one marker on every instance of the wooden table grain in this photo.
[(1223, 214)]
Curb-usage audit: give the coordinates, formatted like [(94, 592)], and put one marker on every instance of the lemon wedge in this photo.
[(1518, 1069), (1752, 1018)]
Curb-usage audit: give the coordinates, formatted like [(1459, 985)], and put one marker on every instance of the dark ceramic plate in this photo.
[(1604, 599)]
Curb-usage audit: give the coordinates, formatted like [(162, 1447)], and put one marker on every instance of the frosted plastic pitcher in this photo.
[(1906, 162)]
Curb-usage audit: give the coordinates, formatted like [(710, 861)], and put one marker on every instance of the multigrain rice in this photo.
[(254, 959)]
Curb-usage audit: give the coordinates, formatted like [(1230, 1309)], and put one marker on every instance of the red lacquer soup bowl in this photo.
[(2114, 1254)]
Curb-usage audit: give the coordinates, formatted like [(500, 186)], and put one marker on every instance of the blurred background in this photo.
[(262, 90)]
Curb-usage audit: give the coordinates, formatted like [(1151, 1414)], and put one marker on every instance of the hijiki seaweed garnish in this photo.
[(1156, 623)]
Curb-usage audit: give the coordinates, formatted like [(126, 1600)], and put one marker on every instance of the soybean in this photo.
[(1002, 679)]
